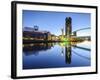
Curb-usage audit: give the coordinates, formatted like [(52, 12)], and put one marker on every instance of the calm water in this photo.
[(54, 55)]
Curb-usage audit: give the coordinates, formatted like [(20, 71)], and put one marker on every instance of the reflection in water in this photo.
[(81, 55), (68, 53), (36, 48), (46, 55), (67, 46)]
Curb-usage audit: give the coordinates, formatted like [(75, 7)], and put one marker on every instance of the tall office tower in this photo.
[(68, 27)]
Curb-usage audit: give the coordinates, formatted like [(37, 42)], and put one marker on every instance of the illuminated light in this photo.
[(65, 43), (31, 38), (31, 44), (25, 38)]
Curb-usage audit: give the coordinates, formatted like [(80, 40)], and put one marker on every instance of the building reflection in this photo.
[(68, 53), (35, 48), (67, 47), (67, 50)]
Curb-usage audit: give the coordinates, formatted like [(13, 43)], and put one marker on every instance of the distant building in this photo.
[(54, 37), (74, 34), (34, 34)]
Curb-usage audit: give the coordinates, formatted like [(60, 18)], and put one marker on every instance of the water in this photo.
[(55, 55)]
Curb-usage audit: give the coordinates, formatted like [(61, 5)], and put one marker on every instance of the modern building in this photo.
[(68, 27), (35, 34)]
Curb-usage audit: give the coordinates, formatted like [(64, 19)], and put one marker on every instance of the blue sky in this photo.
[(54, 21)]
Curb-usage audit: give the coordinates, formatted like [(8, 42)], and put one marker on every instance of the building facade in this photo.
[(35, 34), (68, 27)]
